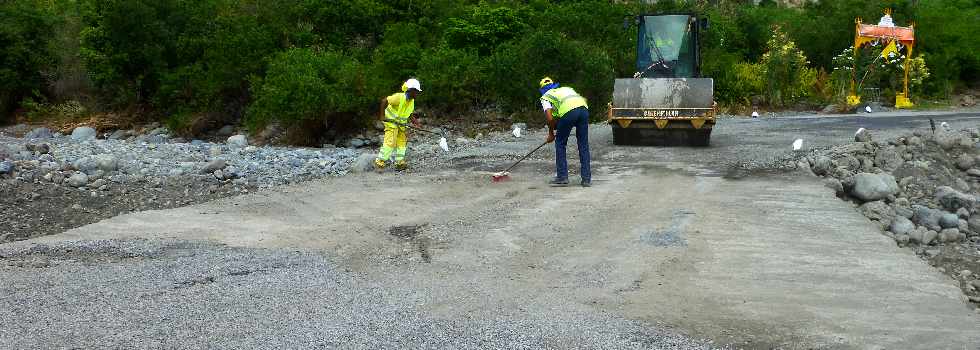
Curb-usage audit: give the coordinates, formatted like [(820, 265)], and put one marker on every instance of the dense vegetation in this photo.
[(201, 63)]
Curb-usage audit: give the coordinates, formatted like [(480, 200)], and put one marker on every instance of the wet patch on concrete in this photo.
[(413, 235), (673, 235)]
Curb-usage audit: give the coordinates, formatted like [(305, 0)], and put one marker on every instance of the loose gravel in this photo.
[(201, 295)]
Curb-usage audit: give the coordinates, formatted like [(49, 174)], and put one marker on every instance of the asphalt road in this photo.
[(661, 252)]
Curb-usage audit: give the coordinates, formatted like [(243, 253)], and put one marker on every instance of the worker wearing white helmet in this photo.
[(396, 112)]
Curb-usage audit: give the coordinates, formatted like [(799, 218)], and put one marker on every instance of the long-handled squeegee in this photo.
[(505, 175), (442, 137)]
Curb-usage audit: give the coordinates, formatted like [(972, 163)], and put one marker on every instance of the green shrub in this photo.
[(453, 78), (304, 84), (515, 70), (787, 77), (24, 31), (485, 27)]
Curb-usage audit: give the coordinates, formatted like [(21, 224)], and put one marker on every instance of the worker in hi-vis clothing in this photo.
[(566, 109), (396, 110)]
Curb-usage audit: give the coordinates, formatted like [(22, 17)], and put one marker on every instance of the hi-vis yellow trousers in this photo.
[(396, 140)]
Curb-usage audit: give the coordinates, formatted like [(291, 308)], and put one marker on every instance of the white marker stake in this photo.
[(443, 144), (798, 144)]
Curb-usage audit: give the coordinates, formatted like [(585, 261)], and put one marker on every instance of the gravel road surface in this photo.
[(669, 247)]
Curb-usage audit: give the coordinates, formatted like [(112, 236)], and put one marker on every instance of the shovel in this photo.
[(505, 175), (442, 137)]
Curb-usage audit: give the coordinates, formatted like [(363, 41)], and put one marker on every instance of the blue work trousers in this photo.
[(579, 119)]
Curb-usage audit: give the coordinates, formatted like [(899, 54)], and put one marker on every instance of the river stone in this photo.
[(364, 163), (83, 133), (863, 135), (888, 159), (6, 167), (952, 199), (949, 220), (949, 235), (107, 163), (213, 165), (871, 187), (39, 133), (822, 165), (79, 179), (965, 162), (878, 211), (238, 141), (901, 226), (927, 217)]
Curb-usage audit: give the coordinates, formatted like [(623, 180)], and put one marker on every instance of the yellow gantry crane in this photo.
[(895, 39)]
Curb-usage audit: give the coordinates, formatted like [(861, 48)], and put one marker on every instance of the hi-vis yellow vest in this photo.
[(399, 108), (564, 99)]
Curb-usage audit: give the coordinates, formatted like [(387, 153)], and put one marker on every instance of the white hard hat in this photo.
[(413, 84)]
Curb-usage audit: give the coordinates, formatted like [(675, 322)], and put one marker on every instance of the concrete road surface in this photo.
[(662, 252)]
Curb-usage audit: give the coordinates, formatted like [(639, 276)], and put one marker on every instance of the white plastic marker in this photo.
[(755, 114), (798, 144), (517, 132), (443, 144), (867, 109), (859, 131)]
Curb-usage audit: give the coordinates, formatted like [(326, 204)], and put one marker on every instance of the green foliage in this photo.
[(787, 77), (24, 28), (453, 77), (303, 60), (484, 28), (304, 84), (515, 70)]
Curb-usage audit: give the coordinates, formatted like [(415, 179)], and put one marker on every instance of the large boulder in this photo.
[(86, 165), (364, 163), (213, 166), (878, 211), (863, 135), (83, 133), (927, 217), (949, 220), (965, 162), (922, 235), (78, 180), (237, 141), (888, 159), (950, 235), (107, 163), (974, 223), (871, 187), (901, 226), (953, 200), (849, 162), (39, 133), (951, 140), (6, 167), (822, 165)]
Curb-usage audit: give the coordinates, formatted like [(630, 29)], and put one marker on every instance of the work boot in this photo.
[(401, 165), (586, 183), (379, 165), (556, 182)]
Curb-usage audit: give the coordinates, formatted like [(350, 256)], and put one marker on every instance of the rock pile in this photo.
[(82, 160), (921, 189)]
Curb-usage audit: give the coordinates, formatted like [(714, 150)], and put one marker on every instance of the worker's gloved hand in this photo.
[(551, 138)]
